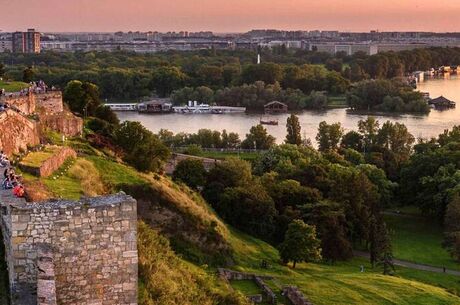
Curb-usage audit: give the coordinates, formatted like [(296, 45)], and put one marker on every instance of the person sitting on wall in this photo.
[(7, 184), (18, 190)]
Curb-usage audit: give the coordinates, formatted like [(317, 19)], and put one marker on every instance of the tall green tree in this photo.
[(329, 136), (258, 138), (166, 79), (293, 130), (191, 172), (82, 97), (300, 244), (142, 148)]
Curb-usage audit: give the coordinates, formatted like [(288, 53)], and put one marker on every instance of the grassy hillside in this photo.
[(419, 240), (198, 235)]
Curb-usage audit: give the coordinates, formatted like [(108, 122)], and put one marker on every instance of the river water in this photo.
[(424, 126)]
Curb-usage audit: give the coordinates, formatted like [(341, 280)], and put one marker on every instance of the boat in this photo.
[(268, 121)]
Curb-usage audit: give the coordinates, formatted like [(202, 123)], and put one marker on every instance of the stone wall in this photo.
[(50, 102), (93, 246), (50, 165), (46, 280), (17, 132), (25, 103), (64, 122), (295, 296)]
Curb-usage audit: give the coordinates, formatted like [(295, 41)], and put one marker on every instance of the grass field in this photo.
[(12, 86), (419, 240)]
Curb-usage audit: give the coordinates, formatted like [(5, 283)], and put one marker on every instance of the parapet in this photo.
[(91, 243)]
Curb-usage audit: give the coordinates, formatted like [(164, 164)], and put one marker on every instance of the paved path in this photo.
[(411, 265)]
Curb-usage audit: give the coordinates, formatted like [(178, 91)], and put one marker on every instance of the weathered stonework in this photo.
[(25, 103), (50, 165), (295, 296), (50, 102), (63, 122), (91, 254), (17, 132)]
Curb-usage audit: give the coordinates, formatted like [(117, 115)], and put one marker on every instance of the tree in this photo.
[(352, 140), (269, 73), (300, 244), (379, 243), (368, 129), (329, 219), (249, 209), (82, 97), (191, 172), (142, 148), (293, 130), (107, 114), (452, 228), (166, 79), (258, 138), (329, 136), (2, 70), (28, 75)]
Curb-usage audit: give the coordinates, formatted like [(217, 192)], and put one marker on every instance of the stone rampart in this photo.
[(25, 103), (17, 132), (93, 250), (64, 122), (50, 102), (46, 282)]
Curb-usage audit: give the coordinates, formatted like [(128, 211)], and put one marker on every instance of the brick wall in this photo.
[(93, 245)]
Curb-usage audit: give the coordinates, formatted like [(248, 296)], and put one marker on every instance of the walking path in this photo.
[(411, 265)]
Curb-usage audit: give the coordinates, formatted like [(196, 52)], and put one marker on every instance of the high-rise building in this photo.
[(26, 42)]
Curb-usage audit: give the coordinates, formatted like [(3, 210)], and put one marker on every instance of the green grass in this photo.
[(246, 287), (419, 240), (343, 283), (13, 86), (62, 185), (113, 173), (35, 159)]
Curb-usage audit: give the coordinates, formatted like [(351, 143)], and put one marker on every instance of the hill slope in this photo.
[(200, 237)]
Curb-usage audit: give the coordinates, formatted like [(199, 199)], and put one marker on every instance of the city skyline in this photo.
[(234, 16)]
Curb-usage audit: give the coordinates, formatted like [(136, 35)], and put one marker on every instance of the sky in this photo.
[(230, 15)]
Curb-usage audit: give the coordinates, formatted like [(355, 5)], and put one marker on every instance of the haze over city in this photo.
[(231, 16)]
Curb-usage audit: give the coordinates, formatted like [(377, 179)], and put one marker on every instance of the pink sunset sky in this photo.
[(230, 15)]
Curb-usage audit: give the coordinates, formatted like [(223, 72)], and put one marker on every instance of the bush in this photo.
[(190, 172)]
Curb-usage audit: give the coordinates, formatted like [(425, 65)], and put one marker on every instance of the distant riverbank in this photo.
[(425, 126)]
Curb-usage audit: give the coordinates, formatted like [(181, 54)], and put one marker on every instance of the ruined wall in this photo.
[(17, 132), (50, 102), (295, 296), (50, 165), (25, 103), (93, 243), (63, 122)]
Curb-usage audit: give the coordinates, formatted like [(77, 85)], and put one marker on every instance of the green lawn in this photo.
[(247, 287), (419, 240), (63, 185), (12, 86), (35, 159), (343, 283), (113, 173)]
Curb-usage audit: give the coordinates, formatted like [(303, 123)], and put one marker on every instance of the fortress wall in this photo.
[(93, 245), (51, 101), (25, 103), (17, 132)]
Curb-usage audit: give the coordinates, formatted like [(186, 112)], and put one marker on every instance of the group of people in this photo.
[(11, 181)]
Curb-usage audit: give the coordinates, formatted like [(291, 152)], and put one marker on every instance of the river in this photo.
[(424, 126)]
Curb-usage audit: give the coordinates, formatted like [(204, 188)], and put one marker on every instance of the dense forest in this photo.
[(220, 76)]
